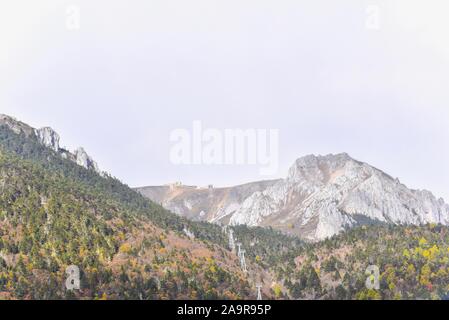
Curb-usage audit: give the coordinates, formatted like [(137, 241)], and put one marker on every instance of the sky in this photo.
[(370, 78)]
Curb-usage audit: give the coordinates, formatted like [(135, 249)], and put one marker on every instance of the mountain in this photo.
[(56, 212), (321, 196), (50, 139), (214, 205)]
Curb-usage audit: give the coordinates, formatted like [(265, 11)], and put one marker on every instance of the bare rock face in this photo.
[(320, 197), (216, 205), (49, 138), (15, 125), (84, 160), (325, 195)]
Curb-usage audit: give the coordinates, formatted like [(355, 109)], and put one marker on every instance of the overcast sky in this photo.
[(319, 71)]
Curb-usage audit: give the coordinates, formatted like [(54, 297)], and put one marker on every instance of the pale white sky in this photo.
[(136, 70)]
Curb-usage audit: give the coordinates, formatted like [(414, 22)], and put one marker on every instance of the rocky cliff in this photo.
[(50, 139), (320, 197)]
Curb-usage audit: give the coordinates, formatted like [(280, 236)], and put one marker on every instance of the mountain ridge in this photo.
[(320, 197), (51, 139), (55, 213)]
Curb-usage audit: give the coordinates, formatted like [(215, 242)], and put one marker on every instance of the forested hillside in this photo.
[(54, 213), (413, 263)]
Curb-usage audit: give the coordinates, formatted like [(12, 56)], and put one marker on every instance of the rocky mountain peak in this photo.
[(320, 197), (330, 158), (84, 160), (49, 138), (319, 170), (15, 125)]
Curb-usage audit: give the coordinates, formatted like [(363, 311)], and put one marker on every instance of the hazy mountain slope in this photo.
[(203, 204), (321, 196)]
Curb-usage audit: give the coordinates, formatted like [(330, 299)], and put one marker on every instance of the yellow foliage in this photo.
[(121, 236), (424, 279), (373, 295), (277, 290), (441, 273), (125, 248), (431, 253), (82, 252), (422, 242), (29, 267), (418, 251), (406, 253), (258, 259), (434, 251), (368, 295), (411, 271)]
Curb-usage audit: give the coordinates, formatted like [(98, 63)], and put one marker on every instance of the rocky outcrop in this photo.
[(84, 160), (50, 139), (320, 197), (15, 125), (203, 203)]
